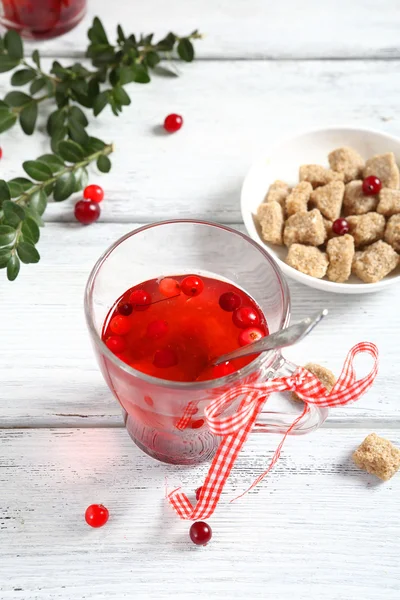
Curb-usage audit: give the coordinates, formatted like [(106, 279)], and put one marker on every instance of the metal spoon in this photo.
[(280, 339)]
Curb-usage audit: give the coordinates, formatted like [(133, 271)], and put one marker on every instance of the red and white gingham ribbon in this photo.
[(235, 428)]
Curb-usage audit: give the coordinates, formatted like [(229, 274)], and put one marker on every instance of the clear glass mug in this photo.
[(152, 407), (41, 19)]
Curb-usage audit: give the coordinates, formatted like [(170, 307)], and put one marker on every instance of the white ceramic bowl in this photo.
[(283, 162)]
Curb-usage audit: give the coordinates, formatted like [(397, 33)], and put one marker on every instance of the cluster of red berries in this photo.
[(370, 186), (244, 317), (97, 515), (88, 210)]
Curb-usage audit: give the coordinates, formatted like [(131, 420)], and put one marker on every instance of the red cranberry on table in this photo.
[(94, 193), (371, 185), (200, 533), (173, 123), (245, 316), (250, 335), (230, 301), (340, 227), (86, 211), (96, 515), (192, 285), (1, 152)]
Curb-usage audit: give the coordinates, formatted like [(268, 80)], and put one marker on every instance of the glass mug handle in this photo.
[(274, 420)]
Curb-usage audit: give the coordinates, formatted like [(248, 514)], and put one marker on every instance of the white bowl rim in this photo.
[(247, 215)]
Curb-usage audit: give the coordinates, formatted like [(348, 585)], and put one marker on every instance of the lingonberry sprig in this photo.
[(64, 171)]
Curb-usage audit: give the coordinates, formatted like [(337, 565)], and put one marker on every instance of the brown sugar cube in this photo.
[(325, 376), (307, 259), (340, 251), (378, 457), (375, 262), (270, 217), (328, 199), (277, 192), (392, 232), (305, 228), (389, 202), (317, 175), (354, 201), (298, 198), (385, 168), (328, 228), (347, 161), (366, 229)]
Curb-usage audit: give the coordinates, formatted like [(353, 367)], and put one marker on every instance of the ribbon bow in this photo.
[(234, 429)]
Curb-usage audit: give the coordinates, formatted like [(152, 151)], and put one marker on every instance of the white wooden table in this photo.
[(316, 527)]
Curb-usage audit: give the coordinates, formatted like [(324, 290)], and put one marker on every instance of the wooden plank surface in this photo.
[(230, 121), (52, 378), (316, 527), (255, 28)]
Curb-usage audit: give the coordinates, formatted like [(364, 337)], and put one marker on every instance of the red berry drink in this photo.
[(172, 328), (41, 19)]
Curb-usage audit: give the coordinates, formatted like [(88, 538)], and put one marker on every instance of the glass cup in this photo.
[(151, 406), (41, 19)]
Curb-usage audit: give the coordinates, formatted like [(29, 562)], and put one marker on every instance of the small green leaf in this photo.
[(5, 192), (13, 213), (126, 75), (78, 115), (17, 99), (152, 59), (65, 186), (167, 43), (93, 145), (37, 85), (186, 50), (30, 230), (37, 170), (19, 185), (55, 121), (53, 161), (28, 117), (97, 33), (5, 256), (7, 235), (100, 102), (77, 132), (121, 96), (7, 119), (7, 63), (81, 179), (70, 151), (121, 36), (140, 74), (103, 164), (36, 58), (13, 43), (31, 212), (13, 267), (38, 202), (28, 253), (57, 136), (22, 77)]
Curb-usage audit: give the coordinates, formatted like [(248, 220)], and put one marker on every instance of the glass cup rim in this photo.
[(188, 385)]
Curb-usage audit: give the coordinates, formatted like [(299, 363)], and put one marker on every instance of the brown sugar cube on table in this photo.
[(355, 202), (308, 259), (392, 232), (318, 175), (340, 251), (326, 377), (366, 229), (375, 262), (378, 457), (389, 202), (277, 192), (298, 198), (328, 199), (347, 161), (385, 168), (305, 228), (270, 217), (328, 228)]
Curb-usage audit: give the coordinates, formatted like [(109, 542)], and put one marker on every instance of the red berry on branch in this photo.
[(371, 185), (96, 515), (86, 212), (140, 299), (94, 193), (200, 533), (173, 123), (340, 227), (192, 285)]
